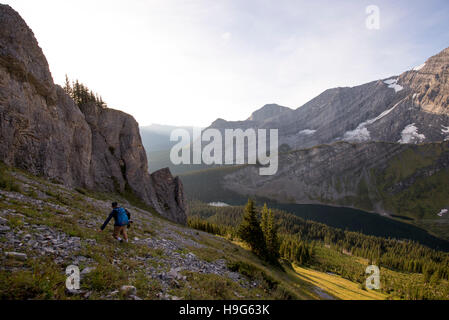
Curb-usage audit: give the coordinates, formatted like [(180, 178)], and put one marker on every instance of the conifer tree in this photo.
[(81, 94), (271, 237), (251, 232), (67, 86), (264, 220)]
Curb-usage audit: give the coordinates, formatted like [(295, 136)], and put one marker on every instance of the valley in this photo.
[(335, 259), (400, 188), (205, 186)]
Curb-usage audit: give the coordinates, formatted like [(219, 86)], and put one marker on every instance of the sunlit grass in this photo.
[(337, 286)]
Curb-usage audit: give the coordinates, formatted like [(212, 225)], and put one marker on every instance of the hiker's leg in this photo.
[(116, 232), (125, 234)]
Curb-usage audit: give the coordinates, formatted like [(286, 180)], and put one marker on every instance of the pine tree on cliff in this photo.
[(251, 232), (68, 86), (81, 94), (76, 92)]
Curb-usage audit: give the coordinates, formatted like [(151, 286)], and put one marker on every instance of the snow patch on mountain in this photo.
[(383, 114), (442, 212), (393, 84), (307, 132), (361, 133), (419, 67), (410, 135), (445, 131)]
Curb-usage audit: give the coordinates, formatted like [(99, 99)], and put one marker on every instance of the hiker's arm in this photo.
[(128, 214), (106, 221)]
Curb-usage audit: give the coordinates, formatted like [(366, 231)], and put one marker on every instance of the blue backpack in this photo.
[(122, 217)]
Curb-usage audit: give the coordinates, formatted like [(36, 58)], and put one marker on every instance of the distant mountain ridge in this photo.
[(410, 108), (156, 137)]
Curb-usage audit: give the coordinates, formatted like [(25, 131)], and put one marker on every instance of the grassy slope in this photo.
[(323, 277), (419, 202), (394, 285), (428, 194), (79, 213), (337, 286), (27, 202), (348, 271), (326, 286)]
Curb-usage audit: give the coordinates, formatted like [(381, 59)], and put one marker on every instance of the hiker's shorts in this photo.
[(120, 231)]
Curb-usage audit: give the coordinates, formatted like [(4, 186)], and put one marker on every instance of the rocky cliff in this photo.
[(45, 132)]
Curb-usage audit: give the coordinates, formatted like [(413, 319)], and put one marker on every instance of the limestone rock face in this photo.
[(430, 83), (50, 140), (118, 156), (21, 56), (43, 131), (165, 184)]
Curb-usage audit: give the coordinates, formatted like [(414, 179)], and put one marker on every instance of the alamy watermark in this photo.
[(372, 21), (73, 278), (373, 281), (220, 151)]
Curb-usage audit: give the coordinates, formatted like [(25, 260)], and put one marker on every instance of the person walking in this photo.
[(121, 221)]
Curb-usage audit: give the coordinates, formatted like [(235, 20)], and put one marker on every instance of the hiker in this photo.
[(121, 222)]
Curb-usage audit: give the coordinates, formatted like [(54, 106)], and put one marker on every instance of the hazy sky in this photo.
[(190, 62)]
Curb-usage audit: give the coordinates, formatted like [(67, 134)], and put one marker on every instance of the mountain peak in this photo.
[(218, 122), (268, 111)]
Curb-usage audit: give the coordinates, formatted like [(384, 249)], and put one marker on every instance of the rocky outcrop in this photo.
[(170, 195), (45, 132), (430, 84), (45, 139)]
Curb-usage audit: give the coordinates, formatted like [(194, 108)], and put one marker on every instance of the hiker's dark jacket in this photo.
[(113, 214)]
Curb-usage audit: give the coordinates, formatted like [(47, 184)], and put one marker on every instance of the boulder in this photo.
[(128, 291), (16, 255)]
